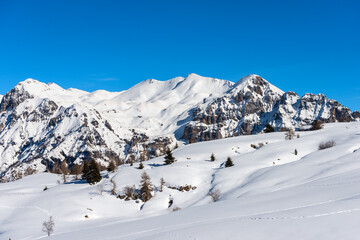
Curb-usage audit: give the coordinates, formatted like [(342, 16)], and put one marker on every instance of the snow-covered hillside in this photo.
[(43, 125), (269, 193)]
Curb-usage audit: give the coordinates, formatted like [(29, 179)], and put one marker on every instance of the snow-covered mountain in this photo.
[(42, 125)]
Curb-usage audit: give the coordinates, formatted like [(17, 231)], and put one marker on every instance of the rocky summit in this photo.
[(43, 125)]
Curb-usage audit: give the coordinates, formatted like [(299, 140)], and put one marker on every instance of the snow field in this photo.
[(312, 195)]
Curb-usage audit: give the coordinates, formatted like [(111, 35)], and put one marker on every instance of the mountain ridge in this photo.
[(42, 125)]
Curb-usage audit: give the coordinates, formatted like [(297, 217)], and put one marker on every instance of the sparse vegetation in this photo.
[(215, 194), (91, 172), (176, 209), (112, 166), (130, 193), (296, 152), (114, 187), (290, 134), (146, 187), (316, 125), (141, 166), (269, 129), (229, 162), (169, 159), (48, 226), (212, 157), (162, 183), (328, 144)]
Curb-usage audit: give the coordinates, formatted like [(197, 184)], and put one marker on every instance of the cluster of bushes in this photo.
[(185, 188), (325, 145)]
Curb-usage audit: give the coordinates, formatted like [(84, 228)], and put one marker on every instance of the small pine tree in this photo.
[(269, 129), (141, 166), (111, 167), (212, 157), (146, 187), (229, 162), (296, 152), (169, 159)]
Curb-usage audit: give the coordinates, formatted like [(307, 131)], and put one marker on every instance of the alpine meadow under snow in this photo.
[(269, 193), (196, 158)]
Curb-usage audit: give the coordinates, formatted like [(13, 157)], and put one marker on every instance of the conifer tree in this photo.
[(212, 157), (316, 125), (141, 166), (91, 172), (268, 129), (169, 159), (86, 171), (146, 187), (95, 172), (229, 162), (111, 167)]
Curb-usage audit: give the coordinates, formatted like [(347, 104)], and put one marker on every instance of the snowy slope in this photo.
[(269, 193)]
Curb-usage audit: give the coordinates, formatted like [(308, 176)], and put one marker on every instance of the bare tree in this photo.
[(289, 135), (48, 226), (114, 188), (162, 182), (215, 194)]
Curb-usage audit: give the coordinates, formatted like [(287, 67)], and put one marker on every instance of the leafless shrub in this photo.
[(130, 192), (99, 189), (176, 209), (114, 188), (215, 194), (327, 144), (290, 134), (48, 226)]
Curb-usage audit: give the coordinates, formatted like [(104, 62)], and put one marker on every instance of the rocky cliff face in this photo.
[(253, 103), (43, 125)]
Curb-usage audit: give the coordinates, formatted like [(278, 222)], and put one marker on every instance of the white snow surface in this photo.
[(269, 193)]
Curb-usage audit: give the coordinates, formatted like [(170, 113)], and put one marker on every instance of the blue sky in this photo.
[(302, 46)]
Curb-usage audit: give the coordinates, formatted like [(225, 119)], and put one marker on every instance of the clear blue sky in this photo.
[(303, 46)]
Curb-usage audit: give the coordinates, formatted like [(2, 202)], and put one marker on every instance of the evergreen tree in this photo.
[(86, 171), (91, 172), (316, 125), (141, 166), (229, 162), (95, 172), (111, 167), (296, 152), (212, 157), (169, 159), (146, 187), (268, 129)]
